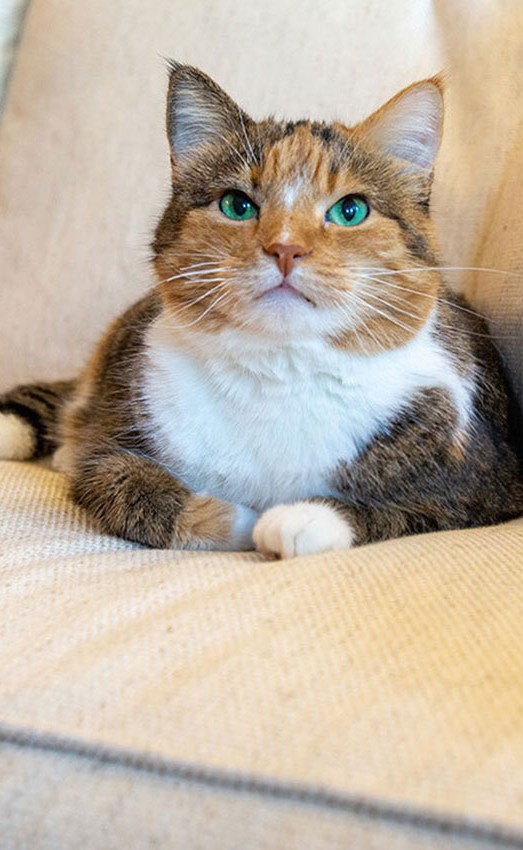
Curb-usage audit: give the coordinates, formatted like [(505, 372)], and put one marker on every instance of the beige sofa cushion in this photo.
[(500, 296), (63, 801), (386, 682)]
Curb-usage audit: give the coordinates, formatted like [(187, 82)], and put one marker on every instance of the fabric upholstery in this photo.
[(46, 791), (11, 15), (391, 674)]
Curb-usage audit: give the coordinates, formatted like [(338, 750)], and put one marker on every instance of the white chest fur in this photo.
[(259, 425)]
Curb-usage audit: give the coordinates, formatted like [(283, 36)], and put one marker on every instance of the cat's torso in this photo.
[(257, 424)]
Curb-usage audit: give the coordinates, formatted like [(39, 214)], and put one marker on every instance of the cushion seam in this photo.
[(258, 785)]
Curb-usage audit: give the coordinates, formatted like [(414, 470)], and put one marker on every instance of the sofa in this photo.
[(369, 699)]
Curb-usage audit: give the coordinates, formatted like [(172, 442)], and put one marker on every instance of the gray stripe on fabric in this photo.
[(293, 792)]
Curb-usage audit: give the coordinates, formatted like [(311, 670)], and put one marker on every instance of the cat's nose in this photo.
[(286, 255)]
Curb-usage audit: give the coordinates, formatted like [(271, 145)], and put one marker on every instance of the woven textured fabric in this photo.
[(11, 15), (499, 296), (392, 673)]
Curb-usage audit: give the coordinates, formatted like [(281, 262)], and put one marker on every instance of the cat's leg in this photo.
[(133, 497)]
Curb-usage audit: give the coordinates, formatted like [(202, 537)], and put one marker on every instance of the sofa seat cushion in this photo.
[(389, 677)]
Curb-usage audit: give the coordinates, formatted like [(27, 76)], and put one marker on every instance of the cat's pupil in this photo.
[(240, 205), (349, 208)]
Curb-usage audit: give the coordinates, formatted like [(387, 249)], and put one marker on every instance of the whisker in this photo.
[(390, 318), (210, 251), (423, 295), (198, 265), (205, 295), (436, 269), (373, 294), (205, 312), (354, 329), (411, 315), (357, 298), (465, 332), (199, 275)]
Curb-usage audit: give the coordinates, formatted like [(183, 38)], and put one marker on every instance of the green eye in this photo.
[(351, 210), (238, 206)]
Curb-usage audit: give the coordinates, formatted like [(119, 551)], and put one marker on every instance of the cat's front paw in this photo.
[(304, 528)]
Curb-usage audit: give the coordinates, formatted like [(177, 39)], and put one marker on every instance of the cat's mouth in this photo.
[(286, 290)]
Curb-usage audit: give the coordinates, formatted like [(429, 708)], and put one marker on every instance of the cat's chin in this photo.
[(285, 295), (286, 316)]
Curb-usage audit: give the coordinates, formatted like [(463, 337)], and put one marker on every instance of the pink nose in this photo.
[(286, 255)]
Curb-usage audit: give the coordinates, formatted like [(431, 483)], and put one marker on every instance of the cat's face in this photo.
[(299, 229)]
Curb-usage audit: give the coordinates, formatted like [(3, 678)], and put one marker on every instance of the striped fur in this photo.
[(37, 408)]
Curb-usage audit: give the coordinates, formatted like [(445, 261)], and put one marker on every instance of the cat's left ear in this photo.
[(408, 127), (199, 113)]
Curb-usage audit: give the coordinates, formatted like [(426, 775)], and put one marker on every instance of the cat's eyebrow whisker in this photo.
[(236, 151), (260, 146), (254, 160)]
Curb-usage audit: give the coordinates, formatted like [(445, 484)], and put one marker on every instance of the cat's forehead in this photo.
[(304, 160)]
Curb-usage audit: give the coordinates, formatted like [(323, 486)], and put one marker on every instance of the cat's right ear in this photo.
[(199, 113)]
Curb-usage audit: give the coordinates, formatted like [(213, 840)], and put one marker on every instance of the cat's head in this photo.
[(299, 229)]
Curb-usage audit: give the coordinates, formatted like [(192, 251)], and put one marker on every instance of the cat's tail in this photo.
[(30, 419)]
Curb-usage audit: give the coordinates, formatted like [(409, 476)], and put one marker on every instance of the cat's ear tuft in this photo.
[(199, 112), (408, 127)]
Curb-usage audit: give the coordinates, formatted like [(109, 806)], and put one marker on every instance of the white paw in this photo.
[(17, 440), (301, 529)]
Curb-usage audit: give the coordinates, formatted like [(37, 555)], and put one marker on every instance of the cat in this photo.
[(300, 379)]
